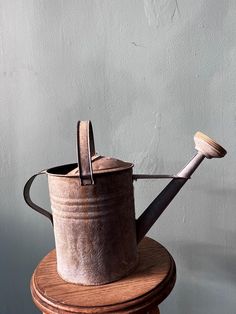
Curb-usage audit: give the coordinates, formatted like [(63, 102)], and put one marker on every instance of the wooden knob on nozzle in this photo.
[(208, 147)]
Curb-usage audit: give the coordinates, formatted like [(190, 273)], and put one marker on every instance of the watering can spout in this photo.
[(206, 147)]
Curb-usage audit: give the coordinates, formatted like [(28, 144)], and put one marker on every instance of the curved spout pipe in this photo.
[(206, 147), (156, 208), (159, 204)]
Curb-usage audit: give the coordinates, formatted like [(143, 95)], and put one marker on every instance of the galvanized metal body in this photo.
[(92, 202), (94, 226)]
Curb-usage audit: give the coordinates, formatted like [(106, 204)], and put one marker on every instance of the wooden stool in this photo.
[(140, 292)]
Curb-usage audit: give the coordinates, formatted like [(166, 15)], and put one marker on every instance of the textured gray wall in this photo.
[(149, 74)]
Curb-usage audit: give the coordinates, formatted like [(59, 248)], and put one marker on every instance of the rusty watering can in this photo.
[(93, 215)]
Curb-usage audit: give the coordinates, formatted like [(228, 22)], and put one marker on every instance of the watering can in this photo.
[(93, 216)]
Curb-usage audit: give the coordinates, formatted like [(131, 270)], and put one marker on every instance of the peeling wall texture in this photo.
[(149, 74)]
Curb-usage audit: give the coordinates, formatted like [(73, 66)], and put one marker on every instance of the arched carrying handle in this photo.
[(85, 150), (28, 200)]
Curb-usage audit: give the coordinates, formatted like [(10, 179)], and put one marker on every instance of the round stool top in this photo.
[(147, 286)]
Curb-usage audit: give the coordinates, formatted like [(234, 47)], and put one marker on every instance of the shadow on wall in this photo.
[(215, 262), (25, 246), (210, 285)]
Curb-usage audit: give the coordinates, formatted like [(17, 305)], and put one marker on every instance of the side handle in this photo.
[(28, 200)]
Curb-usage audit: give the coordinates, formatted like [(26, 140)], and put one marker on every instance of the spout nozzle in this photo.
[(208, 147)]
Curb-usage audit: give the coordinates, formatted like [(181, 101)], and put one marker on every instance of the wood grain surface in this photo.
[(140, 292)]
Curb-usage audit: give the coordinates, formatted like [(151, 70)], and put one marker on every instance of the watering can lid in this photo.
[(104, 164), (89, 162), (108, 164)]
